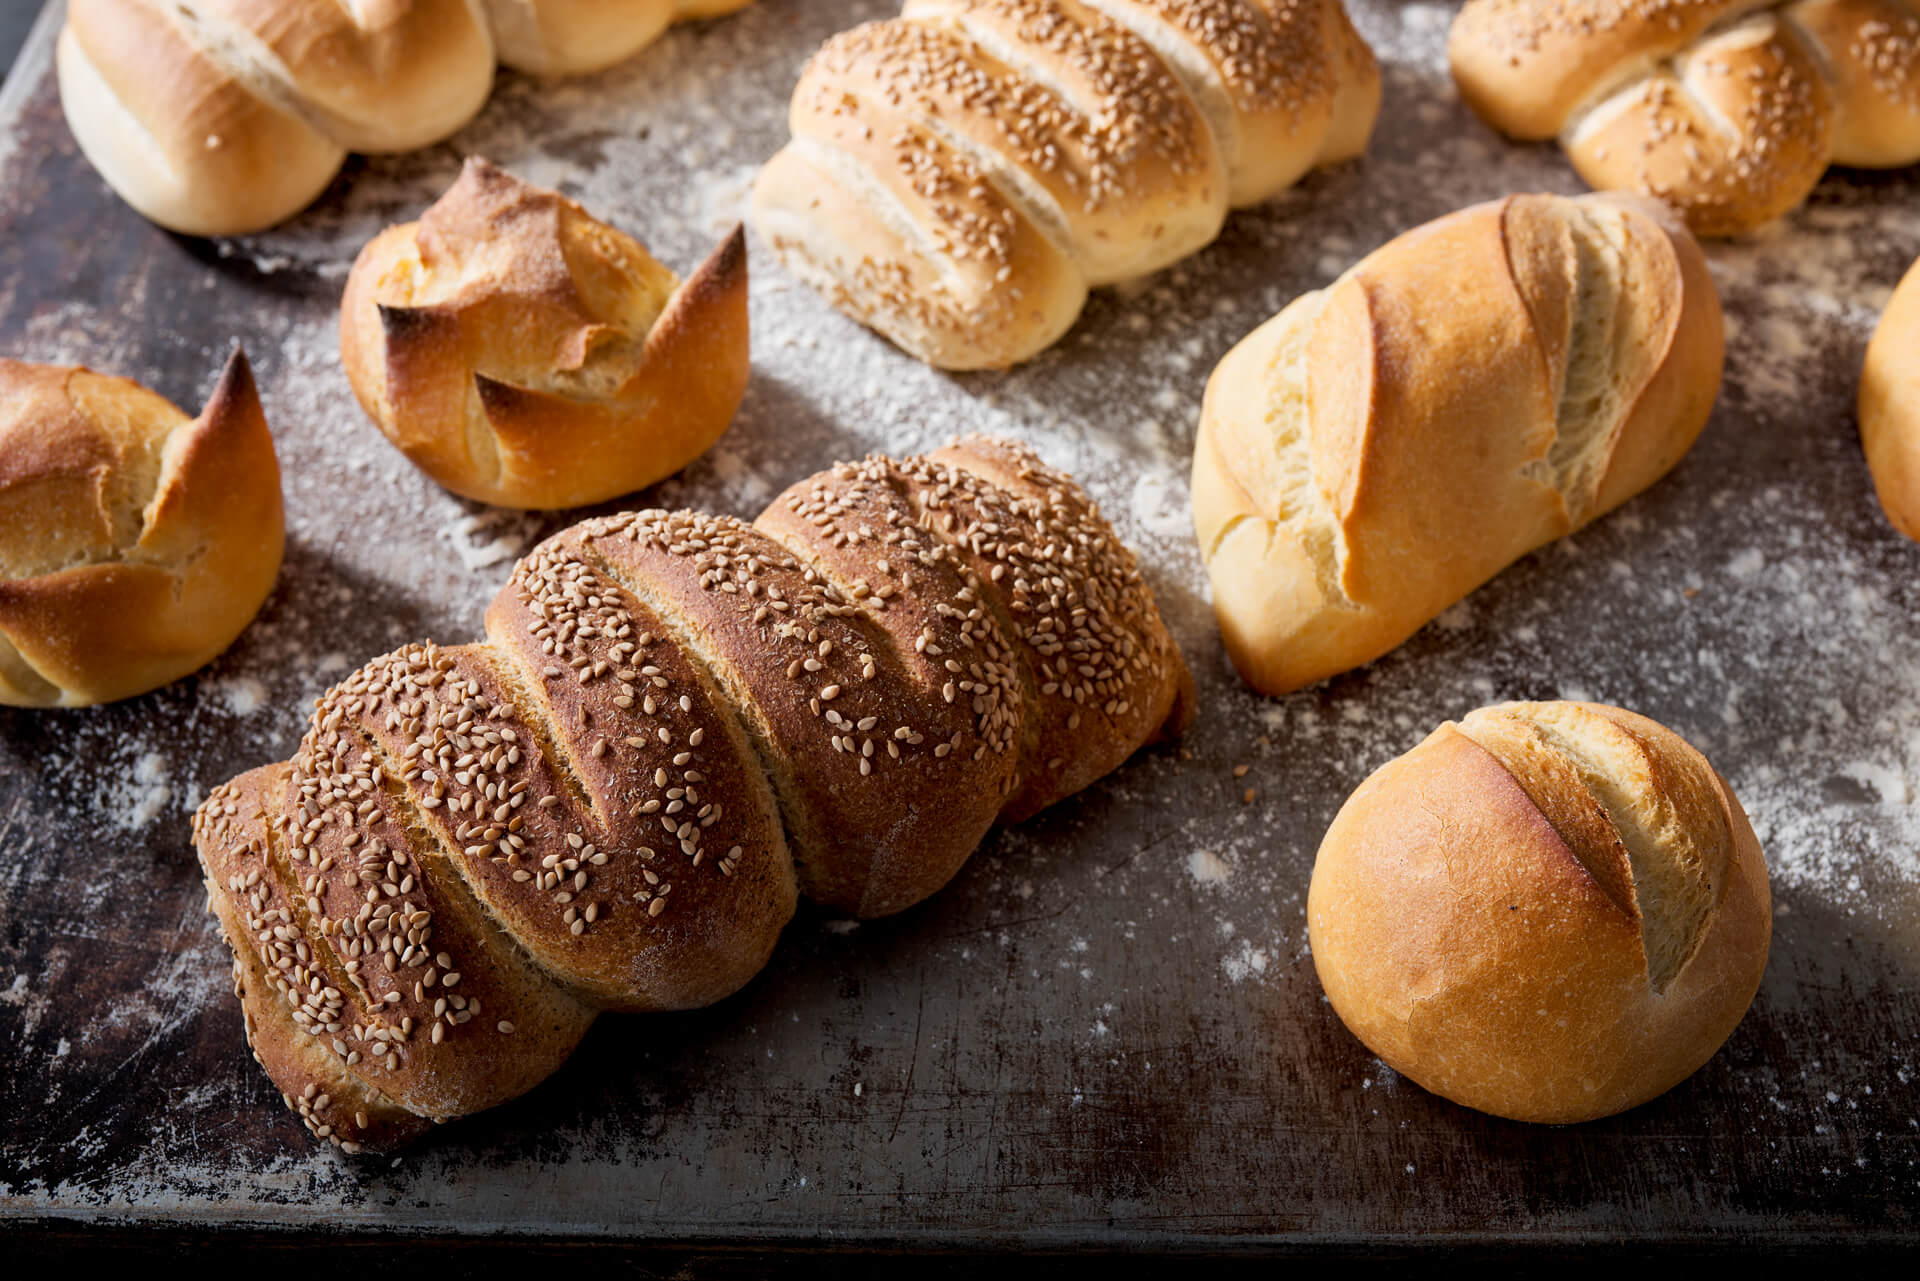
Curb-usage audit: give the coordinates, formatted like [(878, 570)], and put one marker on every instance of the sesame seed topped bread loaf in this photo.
[(959, 177), (522, 353), (1549, 911), (1730, 110), (676, 721), (135, 542), (217, 117), (1890, 406), (1471, 390)]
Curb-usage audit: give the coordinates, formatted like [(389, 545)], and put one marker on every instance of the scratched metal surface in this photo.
[(1107, 1031)]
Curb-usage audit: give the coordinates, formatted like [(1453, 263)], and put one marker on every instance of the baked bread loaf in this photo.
[(218, 117), (1890, 406), (1471, 390), (1729, 110), (1549, 911), (604, 806), (522, 353), (135, 542), (959, 177)]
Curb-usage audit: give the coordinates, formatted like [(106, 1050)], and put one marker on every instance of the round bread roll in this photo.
[(1890, 406), (524, 354), (1549, 911), (135, 542)]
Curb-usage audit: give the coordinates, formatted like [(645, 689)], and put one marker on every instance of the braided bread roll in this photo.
[(961, 176), (1465, 393), (676, 719), (216, 117), (1730, 110)]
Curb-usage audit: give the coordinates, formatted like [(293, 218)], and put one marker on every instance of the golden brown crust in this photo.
[(135, 543), (1730, 110), (227, 116), (959, 177), (1464, 941), (521, 353), (587, 812), (1469, 391), (1890, 406)]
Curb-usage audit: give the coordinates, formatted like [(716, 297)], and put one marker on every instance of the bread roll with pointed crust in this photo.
[(521, 353), (219, 117), (675, 720), (1890, 406), (961, 176), (135, 542), (1471, 390), (1730, 110), (1549, 911)]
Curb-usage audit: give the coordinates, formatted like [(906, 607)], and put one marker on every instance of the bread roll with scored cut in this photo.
[(1469, 391), (219, 117), (961, 176), (135, 542), (1730, 110), (1549, 911), (602, 806), (1890, 406), (522, 353)]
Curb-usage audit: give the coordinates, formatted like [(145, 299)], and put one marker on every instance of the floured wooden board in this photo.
[(1107, 1031)]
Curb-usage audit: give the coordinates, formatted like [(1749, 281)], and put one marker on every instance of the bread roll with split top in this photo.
[(135, 542), (219, 117), (1471, 390), (1549, 911), (522, 353), (676, 721)]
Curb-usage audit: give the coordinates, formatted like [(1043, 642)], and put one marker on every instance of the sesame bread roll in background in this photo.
[(1729, 110), (676, 724), (961, 176), (1467, 392), (1549, 911), (1890, 406), (522, 353), (135, 542)]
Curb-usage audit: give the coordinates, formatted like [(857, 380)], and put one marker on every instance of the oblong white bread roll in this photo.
[(1549, 911), (1890, 406), (1473, 389)]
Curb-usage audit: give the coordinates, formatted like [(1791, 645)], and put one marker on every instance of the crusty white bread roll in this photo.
[(217, 117), (674, 717), (959, 177), (135, 542), (1471, 390), (1549, 911), (522, 353), (1890, 406), (1730, 110)]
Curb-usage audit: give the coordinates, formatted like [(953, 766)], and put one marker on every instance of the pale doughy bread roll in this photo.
[(961, 176), (1890, 406), (1730, 110), (1471, 390), (135, 542), (217, 117), (1549, 911), (522, 353), (675, 720)]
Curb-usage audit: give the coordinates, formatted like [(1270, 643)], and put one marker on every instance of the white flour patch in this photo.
[(1209, 869)]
